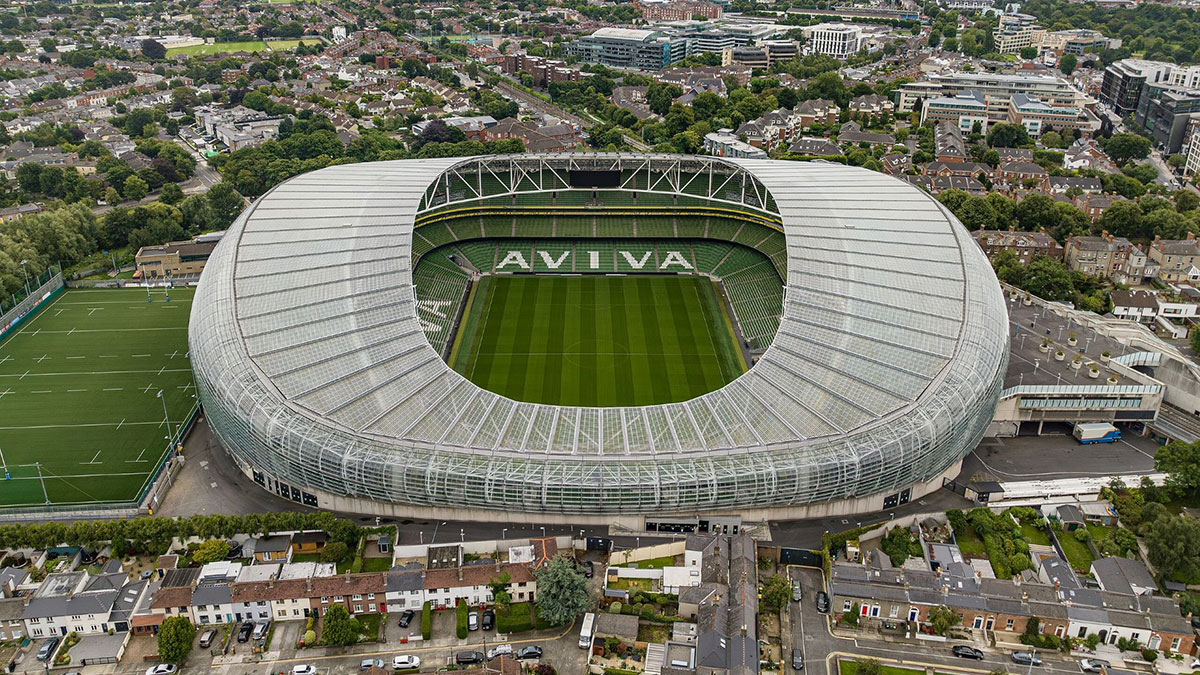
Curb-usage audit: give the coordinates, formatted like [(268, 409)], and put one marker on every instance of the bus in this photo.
[(585, 633)]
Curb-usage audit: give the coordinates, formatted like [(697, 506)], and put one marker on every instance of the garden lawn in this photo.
[(851, 668), (632, 585), (377, 564), (970, 543), (515, 620), (1034, 535), (1078, 553), (368, 627), (652, 563)]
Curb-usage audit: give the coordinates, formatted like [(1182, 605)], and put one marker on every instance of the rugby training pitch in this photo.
[(597, 340), (79, 385)]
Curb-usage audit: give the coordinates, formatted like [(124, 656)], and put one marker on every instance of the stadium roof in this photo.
[(892, 325)]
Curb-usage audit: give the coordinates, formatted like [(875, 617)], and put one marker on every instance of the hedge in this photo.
[(426, 621), (461, 620)]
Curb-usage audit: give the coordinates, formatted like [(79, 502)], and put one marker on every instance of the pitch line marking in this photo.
[(60, 311), (41, 358), (94, 459), (6, 392), (107, 330), (147, 389), (75, 391), (113, 389), (76, 357), (72, 330), (42, 391), (139, 459), (5, 360), (161, 369), (85, 475), (92, 311), (173, 354), (108, 356), (119, 426), (90, 372), (23, 375), (156, 423), (139, 356)]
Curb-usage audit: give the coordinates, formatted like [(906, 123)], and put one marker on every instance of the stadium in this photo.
[(597, 338)]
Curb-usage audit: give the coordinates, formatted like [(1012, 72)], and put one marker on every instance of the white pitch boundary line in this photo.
[(119, 427), (39, 315), (76, 357), (94, 458), (75, 391), (92, 311), (116, 302), (98, 372), (42, 391), (80, 426), (6, 392), (6, 359), (83, 475), (114, 389), (41, 358), (139, 459), (105, 330)]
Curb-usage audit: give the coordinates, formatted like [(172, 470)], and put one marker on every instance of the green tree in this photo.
[(134, 188), (175, 639), (171, 194), (868, 667), (1181, 462), (1173, 545), (942, 619), (562, 591), (337, 628), (153, 49), (1029, 53), (1126, 147), (775, 593), (1005, 135), (1067, 63), (225, 202), (211, 551), (659, 96), (1052, 139), (335, 552)]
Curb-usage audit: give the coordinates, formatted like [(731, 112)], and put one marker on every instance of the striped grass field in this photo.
[(597, 340), (79, 385)]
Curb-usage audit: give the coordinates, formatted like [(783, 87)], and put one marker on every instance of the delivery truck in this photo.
[(1096, 432)]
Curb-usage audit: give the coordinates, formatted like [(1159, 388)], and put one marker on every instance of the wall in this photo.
[(647, 553)]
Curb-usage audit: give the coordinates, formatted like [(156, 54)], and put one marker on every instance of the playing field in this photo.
[(244, 46), (597, 340), (79, 387)]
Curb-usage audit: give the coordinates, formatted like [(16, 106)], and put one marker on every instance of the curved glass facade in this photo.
[(313, 367)]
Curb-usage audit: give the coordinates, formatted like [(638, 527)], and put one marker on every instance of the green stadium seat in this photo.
[(574, 226), (534, 226)]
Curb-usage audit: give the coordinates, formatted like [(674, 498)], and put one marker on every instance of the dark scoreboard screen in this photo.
[(595, 179)]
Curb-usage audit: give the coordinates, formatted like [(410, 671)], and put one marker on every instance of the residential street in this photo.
[(807, 629)]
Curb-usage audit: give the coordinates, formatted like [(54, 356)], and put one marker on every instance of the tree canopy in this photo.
[(562, 591), (175, 637)]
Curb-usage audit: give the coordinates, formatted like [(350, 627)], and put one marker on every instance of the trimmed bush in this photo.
[(426, 621), (461, 620)]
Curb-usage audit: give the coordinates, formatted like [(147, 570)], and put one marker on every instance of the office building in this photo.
[(838, 40), (630, 48)]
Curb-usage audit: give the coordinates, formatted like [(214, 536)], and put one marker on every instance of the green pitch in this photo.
[(79, 387), (597, 340)]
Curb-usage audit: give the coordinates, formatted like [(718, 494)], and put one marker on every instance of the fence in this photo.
[(148, 496), (48, 285)]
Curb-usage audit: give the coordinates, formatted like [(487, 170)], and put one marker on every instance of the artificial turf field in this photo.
[(79, 385), (596, 340)]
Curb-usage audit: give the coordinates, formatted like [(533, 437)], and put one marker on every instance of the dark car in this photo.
[(1026, 659), (530, 652), (245, 631), (965, 652), (406, 618), (797, 660), (468, 658), (488, 619), (589, 569), (822, 602), (47, 649)]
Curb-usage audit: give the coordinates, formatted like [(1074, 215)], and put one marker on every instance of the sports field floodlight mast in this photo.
[(166, 418), (26, 274)]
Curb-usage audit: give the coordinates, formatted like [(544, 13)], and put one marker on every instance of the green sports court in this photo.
[(81, 418)]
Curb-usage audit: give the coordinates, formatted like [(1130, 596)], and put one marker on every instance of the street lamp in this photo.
[(462, 534), (435, 529), (503, 533)]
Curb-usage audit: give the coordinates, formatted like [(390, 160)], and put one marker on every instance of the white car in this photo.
[(406, 661), (304, 669), (161, 669), (498, 650)]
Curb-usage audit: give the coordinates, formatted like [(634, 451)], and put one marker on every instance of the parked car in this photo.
[(304, 669), (489, 619), (406, 662), (245, 631), (822, 602), (206, 639), (1093, 665), (796, 593), (468, 658), (47, 649), (499, 650), (965, 652), (797, 660), (406, 618), (589, 569), (530, 652), (473, 621), (260, 629), (1026, 659), (161, 669), (368, 664)]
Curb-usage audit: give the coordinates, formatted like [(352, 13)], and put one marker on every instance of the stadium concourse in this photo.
[(333, 327)]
